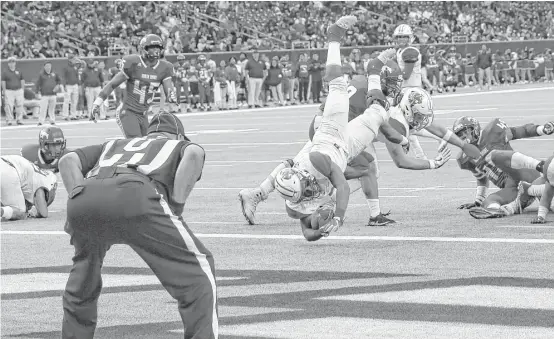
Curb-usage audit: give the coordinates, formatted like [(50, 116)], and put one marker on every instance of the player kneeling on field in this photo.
[(25, 186)]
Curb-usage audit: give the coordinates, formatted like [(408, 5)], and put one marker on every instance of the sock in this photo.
[(521, 161), (536, 190), (333, 54), (510, 209), (374, 208)]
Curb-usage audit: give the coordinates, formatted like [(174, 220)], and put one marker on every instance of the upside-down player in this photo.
[(143, 74), (48, 151), (498, 163)]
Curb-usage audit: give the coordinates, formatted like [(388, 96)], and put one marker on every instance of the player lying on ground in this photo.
[(528, 193), (143, 75), (48, 151), (503, 169), (25, 186), (133, 191)]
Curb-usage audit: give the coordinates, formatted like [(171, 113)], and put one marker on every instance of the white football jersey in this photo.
[(411, 54), (30, 176), (363, 130)]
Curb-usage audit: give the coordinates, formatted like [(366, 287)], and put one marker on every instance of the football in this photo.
[(321, 217)]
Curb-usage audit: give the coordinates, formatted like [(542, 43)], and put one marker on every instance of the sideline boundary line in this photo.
[(271, 109), (333, 238)]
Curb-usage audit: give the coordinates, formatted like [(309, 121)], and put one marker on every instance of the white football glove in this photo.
[(442, 157), (548, 128), (386, 55), (332, 226)]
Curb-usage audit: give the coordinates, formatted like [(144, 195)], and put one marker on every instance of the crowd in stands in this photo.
[(53, 29)]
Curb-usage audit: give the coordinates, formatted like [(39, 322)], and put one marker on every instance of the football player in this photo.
[(181, 81), (498, 162), (48, 151), (143, 74), (24, 185), (204, 87)]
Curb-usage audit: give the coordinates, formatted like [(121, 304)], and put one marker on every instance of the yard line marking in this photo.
[(332, 238), (381, 188), (293, 109), (519, 226), (450, 111)]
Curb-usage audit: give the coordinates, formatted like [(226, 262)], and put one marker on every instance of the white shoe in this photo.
[(249, 200)]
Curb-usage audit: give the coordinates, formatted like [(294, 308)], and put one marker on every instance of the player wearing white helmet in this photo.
[(24, 185)]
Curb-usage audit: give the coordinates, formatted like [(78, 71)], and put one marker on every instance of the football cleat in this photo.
[(523, 198), (337, 30), (249, 200), (486, 213), (380, 220)]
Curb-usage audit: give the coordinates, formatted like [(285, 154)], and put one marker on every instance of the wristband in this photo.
[(432, 164), (480, 193), (7, 212), (448, 135), (404, 141), (540, 130), (542, 212), (98, 101)]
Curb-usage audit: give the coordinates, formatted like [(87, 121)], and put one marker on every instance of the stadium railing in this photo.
[(30, 68)]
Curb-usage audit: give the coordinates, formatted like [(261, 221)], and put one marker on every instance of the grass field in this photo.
[(436, 273)]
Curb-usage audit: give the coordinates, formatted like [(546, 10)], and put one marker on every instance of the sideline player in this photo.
[(139, 188), (48, 151), (143, 75), (23, 186), (503, 169)]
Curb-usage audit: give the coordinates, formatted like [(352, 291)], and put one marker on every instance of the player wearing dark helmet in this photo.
[(50, 148), (143, 74), (499, 163)]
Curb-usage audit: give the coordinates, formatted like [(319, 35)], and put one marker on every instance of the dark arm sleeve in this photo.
[(525, 131)]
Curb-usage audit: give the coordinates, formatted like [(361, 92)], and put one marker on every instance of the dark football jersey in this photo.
[(495, 136), (156, 158), (181, 70), (357, 92), (432, 60), (143, 81), (32, 153), (204, 73)]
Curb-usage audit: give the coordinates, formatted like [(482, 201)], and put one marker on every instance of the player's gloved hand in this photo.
[(96, 109), (548, 128), (377, 96), (442, 158), (469, 205), (538, 220), (172, 96), (386, 55), (332, 226)]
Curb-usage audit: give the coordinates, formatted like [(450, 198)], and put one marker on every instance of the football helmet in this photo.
[(468, 129), (151, 47), (296, 185), (417, 106), (51, 142), (403, 35), (391, 79)]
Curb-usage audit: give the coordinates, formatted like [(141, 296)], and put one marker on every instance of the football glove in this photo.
[(387, 54), (538, 220), (172, 96), (469, 205), (96, 109), (406, 148), (332, 226), (441, 158), (548, 128)]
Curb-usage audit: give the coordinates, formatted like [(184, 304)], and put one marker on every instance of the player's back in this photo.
[(495, 136), (143, 81), (156, 158), (406, 55), (357, 93), (32, 153), (31, 177)]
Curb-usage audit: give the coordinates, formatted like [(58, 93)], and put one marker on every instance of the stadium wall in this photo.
[(32, 67)]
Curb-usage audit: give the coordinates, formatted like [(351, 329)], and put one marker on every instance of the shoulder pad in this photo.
[(410, 54), (132, 59), (374, 67), (376, 97), (30, 152)]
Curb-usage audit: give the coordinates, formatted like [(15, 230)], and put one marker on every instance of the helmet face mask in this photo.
[(52, 143), (403, 40), (152, 48), (296, 185), (391, 80), (468, 129)]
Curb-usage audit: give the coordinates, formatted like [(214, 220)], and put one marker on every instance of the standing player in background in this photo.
[(408, 58), (181, 82), (143, 74), (133, 191), (120, 90), (48, 151), (204, 86), (433, 70)]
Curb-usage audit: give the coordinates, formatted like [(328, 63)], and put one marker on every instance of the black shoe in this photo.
[(380, 220)]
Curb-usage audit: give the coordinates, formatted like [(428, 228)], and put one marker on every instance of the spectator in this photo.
[(289, 80), (233, 78), (549, 65), (13, 85), (220, 86), (255, 73), (274, 81), (47, 87), (93, 80), (303, 76), (484, 63), (71, 79)]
